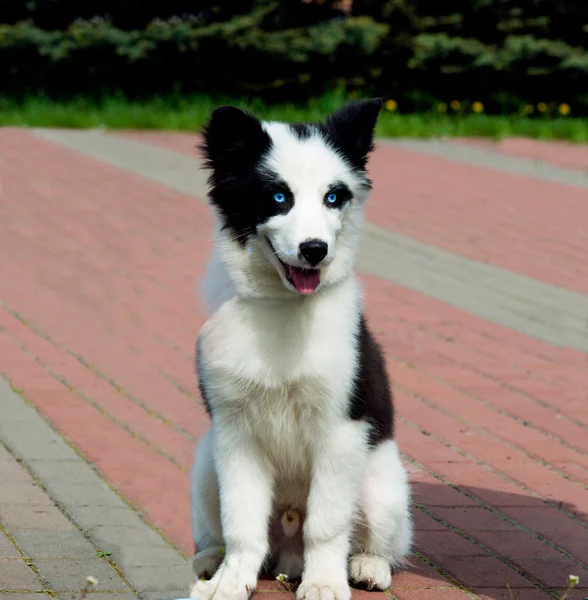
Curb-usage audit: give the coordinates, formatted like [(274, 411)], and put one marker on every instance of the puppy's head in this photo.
[(289, 197)]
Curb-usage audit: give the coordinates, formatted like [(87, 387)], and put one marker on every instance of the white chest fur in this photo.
[(282, 369)]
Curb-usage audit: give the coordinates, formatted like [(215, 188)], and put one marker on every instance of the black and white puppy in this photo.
[(300, 471)]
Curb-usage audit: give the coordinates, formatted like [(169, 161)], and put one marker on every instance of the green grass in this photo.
[(189, 113)]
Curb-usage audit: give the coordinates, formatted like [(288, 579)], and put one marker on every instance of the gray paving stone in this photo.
[(33, 516), (155, 578), (11, 471), (112, 537), (166, 594), (145, 556), (17, 575), (24, 491), (47, 446), (66, 575), (47, 535), (55, 544), (23, 596), (99, 596), (481, 157), (7, 548), (65, 470), (531, 307), (97, 516), (549, 313), (80, 494)]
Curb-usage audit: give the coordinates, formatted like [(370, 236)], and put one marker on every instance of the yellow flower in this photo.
[(528, 109), (455, 104), (564, 109), (478, 107), (391, 105), (574, 579), (541, 107), (442, 107)]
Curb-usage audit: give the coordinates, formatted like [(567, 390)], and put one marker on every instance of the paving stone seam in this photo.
[(429, 403), (547, 312), (448, 276), (512, 446), (59, 505), (529, 455), (64, 510), (526, 422), (67, 514), (492, 509), (27, 560), (495, 161), (447, 575), (83, 396), (475, 325), (555, 547), (17, 447), (523, 487), (489, 377), (97, 372), (503, 559)]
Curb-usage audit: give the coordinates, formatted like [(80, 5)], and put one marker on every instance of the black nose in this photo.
[(314, 251)]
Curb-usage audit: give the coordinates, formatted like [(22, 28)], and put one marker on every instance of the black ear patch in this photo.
[(234, 144), (233, 139), (351, 129)]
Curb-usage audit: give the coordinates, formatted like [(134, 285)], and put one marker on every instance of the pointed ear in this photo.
[(353, 127), (233, 137)]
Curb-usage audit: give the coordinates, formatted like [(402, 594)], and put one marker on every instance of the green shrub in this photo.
[(421, 53)]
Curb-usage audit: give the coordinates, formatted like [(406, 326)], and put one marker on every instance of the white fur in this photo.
[(278, 369)]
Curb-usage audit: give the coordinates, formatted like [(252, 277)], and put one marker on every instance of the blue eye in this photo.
[(331, 198), (279, 197)]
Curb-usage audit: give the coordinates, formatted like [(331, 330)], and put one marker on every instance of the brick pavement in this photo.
[(558, 154), (60, 523), (98, 320)]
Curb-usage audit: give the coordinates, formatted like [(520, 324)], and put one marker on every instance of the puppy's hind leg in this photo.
[(384, 538), (205, 509)]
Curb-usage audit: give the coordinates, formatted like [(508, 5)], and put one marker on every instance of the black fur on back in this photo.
[(201, 384), (371, 399)]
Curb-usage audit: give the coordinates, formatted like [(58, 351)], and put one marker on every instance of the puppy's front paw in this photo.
[(225, 585), (372, 571), (324, 590), (206, 562)]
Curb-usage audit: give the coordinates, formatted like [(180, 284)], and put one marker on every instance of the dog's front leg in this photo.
[(246, 497), (332, 504)]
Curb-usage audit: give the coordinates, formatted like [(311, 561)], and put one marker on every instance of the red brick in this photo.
[(483, 571), (419, 575), (442, 210), (439, 545), (434, 594), (551, 571), (557, 153), (502, 593), (98, 390), (474, 518), (114, 258), (141, 474)]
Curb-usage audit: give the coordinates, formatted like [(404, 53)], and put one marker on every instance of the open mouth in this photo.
[(304, 280)]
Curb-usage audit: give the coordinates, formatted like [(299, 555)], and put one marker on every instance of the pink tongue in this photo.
[(305, 280)]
